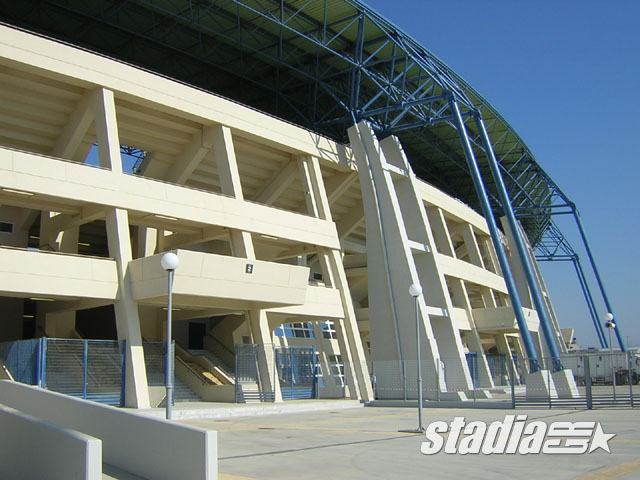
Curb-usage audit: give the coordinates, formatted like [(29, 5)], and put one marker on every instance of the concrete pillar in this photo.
[(119, 240), (505, 349), (146, 242), (401, 251), (107, 130), (242, 246), (442, 238), (351, 350), (473, 337), (261, 335), (126, 309), (60, 324)]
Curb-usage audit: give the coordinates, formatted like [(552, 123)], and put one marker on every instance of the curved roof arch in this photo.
[(321, 64)]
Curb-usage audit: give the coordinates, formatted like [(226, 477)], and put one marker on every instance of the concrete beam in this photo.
[(277, 184), (191, 156), (350, 221), (338, 184), (75, 129)]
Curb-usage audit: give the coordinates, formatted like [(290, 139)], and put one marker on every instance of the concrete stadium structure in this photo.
[(278, 228)]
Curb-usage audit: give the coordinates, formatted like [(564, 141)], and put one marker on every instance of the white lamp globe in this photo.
[(415, 290), (608, 316), (170, 261)]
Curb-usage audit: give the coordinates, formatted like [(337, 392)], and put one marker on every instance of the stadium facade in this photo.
[(287, 238)]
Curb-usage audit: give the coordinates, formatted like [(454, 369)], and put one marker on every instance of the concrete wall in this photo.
[(34, 449), (19, 237), (47, 274), (144, 446)]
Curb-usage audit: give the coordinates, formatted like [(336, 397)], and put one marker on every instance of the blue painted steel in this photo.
[(296, 372), (85, 365), (591, 305), (43, 375), (541, 308), (472, 363), (605, 297), (534, 365), (40, 362), (20, 358), (316, 394)]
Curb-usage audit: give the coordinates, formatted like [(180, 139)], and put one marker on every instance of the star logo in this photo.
[(600, 439)]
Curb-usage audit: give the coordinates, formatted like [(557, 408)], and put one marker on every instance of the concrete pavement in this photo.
[(365, 443)]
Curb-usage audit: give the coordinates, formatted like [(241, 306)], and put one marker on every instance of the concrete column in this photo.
[(519, 348), (146, 242), (459, 293), (505, 349), (418, 229), (126, 308), (442, 238), (119, 241), (351, 350), (242, 246), (59, 324), (107, 130), (441, 234), (260, 330), (401, 251)]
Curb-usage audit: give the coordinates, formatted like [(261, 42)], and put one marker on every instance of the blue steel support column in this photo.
[(576, 215), (495, 237), (545, 323), (592, 308)]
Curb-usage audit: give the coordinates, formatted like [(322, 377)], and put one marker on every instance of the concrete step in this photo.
[(182, 392)]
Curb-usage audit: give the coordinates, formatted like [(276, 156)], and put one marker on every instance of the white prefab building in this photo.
[(285, 239)]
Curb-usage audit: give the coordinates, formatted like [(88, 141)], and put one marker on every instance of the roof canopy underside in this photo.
[(320, 64)]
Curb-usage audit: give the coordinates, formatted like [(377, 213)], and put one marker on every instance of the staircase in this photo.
[(249, 393), (182, 393), (205, 373), (215, 360)]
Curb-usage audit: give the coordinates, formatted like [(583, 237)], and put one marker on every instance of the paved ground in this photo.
[(365, 443)]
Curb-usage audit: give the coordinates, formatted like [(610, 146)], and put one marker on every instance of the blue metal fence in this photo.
[(296, 368), (22, 360), (472, 363), (89, 369)]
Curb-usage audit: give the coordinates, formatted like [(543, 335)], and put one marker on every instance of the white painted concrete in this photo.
[(33, 449), (148, 447)]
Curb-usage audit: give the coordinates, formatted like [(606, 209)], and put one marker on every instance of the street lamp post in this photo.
[(169, 262), (415, 290), (610, 326)]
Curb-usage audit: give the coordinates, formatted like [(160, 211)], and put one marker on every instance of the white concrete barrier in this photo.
[(144, 446), (31, 448)]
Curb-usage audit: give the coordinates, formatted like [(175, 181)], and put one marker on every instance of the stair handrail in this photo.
[(224, 347), (203, 380)]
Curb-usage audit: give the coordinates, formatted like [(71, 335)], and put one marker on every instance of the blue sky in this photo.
[(566, 75)]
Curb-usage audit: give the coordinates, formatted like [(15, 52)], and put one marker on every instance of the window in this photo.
[(302, 330), (6, 227), (294, 330), (337, 369), (329, 330), (318, 276)]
